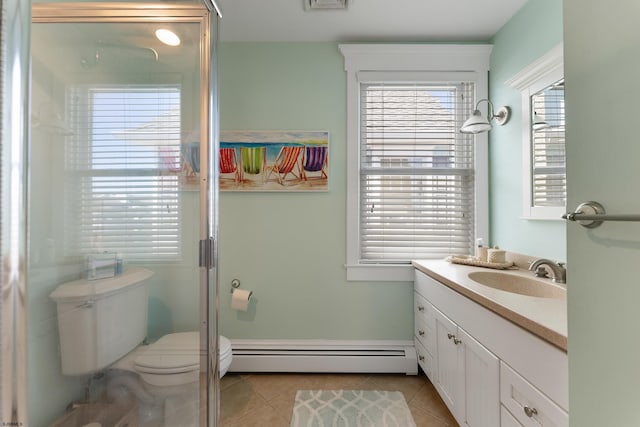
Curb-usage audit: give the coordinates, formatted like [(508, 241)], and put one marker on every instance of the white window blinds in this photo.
[(121, 169), (549, 184), (416, 171)]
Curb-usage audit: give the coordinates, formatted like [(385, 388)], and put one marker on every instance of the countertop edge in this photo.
[(549, 335)]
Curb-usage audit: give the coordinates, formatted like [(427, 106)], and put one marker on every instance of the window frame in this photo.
[(430, 62), (545, 71)]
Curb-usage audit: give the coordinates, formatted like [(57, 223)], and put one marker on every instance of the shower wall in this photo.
[(174, 288)]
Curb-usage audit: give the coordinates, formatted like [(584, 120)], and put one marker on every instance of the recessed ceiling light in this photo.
[(325, 4), (168, 37)]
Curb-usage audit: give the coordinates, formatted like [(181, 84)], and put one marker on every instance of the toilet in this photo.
[(102, 325)]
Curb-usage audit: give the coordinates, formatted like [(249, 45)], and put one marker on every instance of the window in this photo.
[(121, 165), (416, 185), (416, 172), (548, 166), (543, 136)]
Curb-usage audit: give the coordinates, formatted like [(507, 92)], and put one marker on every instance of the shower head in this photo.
[(100, 46)]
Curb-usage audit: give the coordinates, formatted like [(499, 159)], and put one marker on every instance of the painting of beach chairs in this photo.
[(274, 161)]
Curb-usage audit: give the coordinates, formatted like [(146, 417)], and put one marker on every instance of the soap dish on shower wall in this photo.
[(471, 260)]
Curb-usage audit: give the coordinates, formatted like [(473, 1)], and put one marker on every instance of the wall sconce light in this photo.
[(539, 122), (477, 123)]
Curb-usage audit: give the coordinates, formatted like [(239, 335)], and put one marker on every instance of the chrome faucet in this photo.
[(558, 272)]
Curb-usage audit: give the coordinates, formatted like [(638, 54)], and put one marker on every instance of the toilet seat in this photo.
[(175, 359)]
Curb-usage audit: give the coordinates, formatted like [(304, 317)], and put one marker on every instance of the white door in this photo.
[(602, 74)]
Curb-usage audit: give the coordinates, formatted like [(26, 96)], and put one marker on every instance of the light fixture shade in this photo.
[(476, 123), (538, 122)]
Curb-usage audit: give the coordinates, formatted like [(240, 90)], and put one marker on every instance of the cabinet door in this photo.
[(507, 420), (449, 365), (482, 383)]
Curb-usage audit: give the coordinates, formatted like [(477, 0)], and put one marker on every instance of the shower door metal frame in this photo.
[(207, 16)]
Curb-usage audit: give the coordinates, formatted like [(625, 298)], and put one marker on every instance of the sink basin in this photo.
[(518, 284)]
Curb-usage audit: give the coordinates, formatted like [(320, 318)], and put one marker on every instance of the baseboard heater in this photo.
[(323, 356)]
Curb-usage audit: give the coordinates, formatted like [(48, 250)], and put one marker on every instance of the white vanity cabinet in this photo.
[(487, 370), (467, 375)]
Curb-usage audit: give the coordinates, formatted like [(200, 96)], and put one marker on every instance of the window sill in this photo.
[(379, 273)]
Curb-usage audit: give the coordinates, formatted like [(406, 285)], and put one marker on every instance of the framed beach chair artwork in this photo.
[(288, 161)]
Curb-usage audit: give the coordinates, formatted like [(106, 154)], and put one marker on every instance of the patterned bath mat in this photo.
[(350, 408)]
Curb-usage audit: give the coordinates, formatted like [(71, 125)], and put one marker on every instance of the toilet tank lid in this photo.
[(82, 289)]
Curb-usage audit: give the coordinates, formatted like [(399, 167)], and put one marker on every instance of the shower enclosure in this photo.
[(119, 169)]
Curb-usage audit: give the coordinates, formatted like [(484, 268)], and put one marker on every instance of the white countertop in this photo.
[(543, 317)]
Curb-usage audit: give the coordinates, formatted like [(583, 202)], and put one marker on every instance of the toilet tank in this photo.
[(99, 321)]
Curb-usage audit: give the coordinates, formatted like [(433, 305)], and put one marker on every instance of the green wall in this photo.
[(533, 31), (289, 248)]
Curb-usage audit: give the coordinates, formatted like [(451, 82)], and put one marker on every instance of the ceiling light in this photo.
[(477, 123), (325, 4), (168, 37)]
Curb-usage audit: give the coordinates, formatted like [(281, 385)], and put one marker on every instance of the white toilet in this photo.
[(102, 324)]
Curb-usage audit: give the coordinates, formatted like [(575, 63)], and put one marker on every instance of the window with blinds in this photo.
[(121, 168), (549, 184), (416, 171)]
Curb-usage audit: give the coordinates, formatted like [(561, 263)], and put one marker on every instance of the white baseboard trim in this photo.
[(376, 356)]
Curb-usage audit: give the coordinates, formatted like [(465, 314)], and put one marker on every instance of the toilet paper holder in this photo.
[(235, 284)]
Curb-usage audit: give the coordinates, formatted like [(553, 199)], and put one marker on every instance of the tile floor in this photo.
[(266, 400)]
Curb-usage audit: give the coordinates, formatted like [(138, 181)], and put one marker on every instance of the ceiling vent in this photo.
[(325, 4)]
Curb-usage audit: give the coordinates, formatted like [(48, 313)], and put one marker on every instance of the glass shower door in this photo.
[(120, 199)]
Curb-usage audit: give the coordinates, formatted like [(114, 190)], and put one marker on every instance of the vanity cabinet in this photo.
[(467, 375), (488, 371)]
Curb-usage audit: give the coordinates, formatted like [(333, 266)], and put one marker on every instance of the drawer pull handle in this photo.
[(421, 308), (421, 358), (421, 333), (530, 412)]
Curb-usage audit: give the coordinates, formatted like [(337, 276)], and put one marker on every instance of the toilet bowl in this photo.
[(164, 377)]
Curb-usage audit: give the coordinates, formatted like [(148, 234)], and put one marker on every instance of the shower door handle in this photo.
[(207, 253)]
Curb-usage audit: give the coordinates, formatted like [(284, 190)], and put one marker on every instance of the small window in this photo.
[(121, 166), (548, 165), (543, 136)]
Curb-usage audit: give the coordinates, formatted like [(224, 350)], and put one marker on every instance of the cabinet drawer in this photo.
[(527, 404), (422, 307), (506, 419), (425, 360), (424, 332)]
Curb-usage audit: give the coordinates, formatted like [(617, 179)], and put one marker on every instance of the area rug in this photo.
[(350, 408)]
